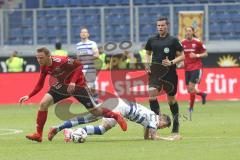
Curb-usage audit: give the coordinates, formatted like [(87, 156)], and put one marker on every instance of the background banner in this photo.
[(190, 18), (219, 83)]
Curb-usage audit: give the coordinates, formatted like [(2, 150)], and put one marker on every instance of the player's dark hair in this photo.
[(194, 35), (167, 119), (44, 50), (58, 45), (163, 19)]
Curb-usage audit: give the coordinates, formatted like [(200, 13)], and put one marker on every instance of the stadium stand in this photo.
[(223, 15)]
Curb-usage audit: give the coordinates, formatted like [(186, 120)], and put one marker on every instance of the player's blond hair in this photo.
[(44, 50)]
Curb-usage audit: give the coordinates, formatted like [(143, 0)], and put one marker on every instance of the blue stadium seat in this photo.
[(50, 3), (92, 11), (63, 3), (16, 41), (86, 3), (177, 1), (100, 2), (165, 1), (31, 4), (15, 32), (75, 3), (28, 22), (113, 2), (140, 2), (124, 2), (152, 2), (43, 40), (215, 37), (215, 28), (77, 12), (28, 32), (28, 41)]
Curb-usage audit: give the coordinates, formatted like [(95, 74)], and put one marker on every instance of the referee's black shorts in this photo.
[(81, 94), (193, 76), (163, 79)]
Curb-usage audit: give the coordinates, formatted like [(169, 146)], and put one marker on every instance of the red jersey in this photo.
[(63, 70), (197, 47)]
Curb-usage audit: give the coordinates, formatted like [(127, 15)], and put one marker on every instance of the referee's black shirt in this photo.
[(162, 47)]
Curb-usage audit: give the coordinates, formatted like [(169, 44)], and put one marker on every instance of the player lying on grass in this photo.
[(66, 80), (133, 111)]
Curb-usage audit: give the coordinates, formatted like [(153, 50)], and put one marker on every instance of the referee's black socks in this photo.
[(175, 113), (154, 106)]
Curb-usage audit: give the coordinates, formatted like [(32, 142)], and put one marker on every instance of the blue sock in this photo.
[(66, 124), (71, 123), (99, 130)]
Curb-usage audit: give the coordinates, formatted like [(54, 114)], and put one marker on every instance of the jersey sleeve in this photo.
[(95, 47), (148, 45), (77, 72), (39, 84), (202, 47), (178, 45)]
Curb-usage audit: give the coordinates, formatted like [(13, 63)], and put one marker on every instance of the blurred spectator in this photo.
[(101, 62), (127, 61), (15, 63), (59, 51), (142, 53)]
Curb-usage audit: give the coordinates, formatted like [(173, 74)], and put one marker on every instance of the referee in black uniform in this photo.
[(165, 51)]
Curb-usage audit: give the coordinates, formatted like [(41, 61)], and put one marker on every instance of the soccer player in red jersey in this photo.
[(66, 80), (194, 51)]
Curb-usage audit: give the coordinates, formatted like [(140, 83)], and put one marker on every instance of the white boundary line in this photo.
[(9, 131)]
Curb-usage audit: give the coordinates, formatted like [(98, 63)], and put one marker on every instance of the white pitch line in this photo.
[(141, 138), (10, 131)]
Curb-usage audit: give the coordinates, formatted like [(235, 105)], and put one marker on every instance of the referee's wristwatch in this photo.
[(171, 63)]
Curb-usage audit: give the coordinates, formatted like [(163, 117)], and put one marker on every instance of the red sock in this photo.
[(192, 99), (199, 93), (108, 113), (41, 119)]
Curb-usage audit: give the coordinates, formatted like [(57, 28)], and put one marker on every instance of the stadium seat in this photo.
[(113, 2), (165, 1), (100, 2), (28, 41), (62, 3), (31, 4), (27, 33), (74, 3), (53, 22), (152, 2), (86, 3), (28, 22), (50, 3), (140, 2), (16, 41)]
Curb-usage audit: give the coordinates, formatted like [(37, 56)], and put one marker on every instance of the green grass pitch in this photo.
[(213, 134)]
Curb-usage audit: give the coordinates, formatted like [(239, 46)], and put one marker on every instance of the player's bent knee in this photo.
[(152, 93), (46, 102), (171, 100)]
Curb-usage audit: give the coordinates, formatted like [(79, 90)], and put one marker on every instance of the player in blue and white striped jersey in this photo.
[(87, 53), (133, 111)]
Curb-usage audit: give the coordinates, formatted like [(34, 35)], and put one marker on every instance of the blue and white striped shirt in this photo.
[(85, 52)]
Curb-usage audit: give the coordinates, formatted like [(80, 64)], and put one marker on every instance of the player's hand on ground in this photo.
[(192, 55), (23, 99), (71, 88), (174, 137), (166, 62)]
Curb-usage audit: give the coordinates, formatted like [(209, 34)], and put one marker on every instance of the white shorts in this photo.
[(116, 105)]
